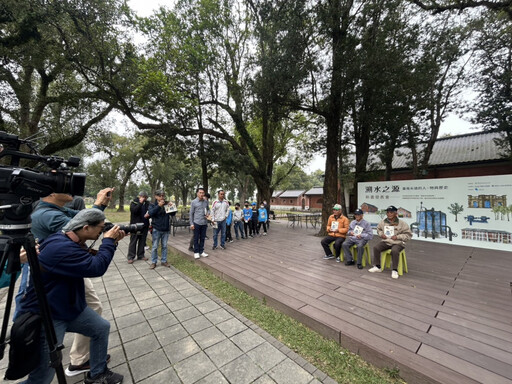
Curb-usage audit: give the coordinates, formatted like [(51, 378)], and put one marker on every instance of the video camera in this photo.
[(128, 228), (20, 187)]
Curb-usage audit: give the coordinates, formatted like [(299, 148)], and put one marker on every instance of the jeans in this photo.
[(25, 278), (199, 235), (360, 249), (221, 227), (239, 227), (163, 237), (88, 323)]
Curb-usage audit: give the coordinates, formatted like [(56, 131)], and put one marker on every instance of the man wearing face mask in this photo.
[(262, 219)]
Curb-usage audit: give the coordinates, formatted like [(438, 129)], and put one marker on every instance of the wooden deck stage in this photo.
[(448, 320)]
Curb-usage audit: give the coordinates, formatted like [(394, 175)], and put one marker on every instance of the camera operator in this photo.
[(65, 261), (138, 214), (49, 217), (160, 221)]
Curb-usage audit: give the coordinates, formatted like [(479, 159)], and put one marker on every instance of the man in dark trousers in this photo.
[(138, 214)]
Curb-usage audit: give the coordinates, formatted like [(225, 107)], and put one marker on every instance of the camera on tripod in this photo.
[(128, 228)]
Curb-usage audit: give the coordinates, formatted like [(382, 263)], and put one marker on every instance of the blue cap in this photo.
[(253, 203)]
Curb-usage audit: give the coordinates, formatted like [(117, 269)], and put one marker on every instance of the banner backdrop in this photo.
[(471, 211)]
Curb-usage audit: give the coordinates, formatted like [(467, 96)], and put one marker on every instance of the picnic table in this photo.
[(312, 219)]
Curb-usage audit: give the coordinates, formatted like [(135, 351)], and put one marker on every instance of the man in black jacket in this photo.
[(138, 214)]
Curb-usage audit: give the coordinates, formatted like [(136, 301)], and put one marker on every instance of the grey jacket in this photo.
[(198, 211)]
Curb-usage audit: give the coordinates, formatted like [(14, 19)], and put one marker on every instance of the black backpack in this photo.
[(24, 347)]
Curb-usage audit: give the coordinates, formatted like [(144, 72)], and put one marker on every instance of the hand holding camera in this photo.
[(104, 196)]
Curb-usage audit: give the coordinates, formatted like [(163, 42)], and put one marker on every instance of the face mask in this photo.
[(261, 206)]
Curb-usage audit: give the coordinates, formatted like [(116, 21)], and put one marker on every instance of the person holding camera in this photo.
[(138, 214), (161, 228), (49, 217), (65, 262)]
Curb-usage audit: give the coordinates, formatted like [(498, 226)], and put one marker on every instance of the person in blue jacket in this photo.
[(65, 261), (262, 219), (247, 220)]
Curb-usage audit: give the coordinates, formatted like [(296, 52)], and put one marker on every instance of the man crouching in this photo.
[(65, 261)]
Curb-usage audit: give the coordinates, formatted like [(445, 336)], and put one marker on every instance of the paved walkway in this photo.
[(167, 329)]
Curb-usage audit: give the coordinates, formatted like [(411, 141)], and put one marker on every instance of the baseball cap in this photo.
[(336, 207), (253, 203), (358, 212), (391, 208)]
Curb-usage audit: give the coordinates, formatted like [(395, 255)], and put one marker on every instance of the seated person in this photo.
[(394, 234), (337, 228), (65, 261), (359, 233)]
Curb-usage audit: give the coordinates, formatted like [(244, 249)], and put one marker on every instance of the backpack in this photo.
[(24, 350)]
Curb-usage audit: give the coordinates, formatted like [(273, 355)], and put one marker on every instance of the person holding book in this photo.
[(359, 233), (394, 234), (337, 228)]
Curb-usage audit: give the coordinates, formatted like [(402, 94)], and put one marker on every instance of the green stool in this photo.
[(331, 247), (385, 261), (366, 254)]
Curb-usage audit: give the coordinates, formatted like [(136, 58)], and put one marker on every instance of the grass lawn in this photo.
[(340, 364)]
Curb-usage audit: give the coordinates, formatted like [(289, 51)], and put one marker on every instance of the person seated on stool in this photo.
[(359, 233), (394, 234), (337, 228)]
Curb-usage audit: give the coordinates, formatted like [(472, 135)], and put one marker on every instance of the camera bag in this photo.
[(24, 350)]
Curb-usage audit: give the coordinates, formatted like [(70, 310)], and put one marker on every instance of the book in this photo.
[(389, 231), (334, 226), (358, 230), (171, 208)]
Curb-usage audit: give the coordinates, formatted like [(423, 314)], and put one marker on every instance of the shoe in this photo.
[(359, 266), (221, 247), (238, 238), (230, 241), (130, 261), (328, 257), (152, 266), (351, 262), (374, 269), (190, 248), (265, 234), (214, 248), (251, 236), (394, 274), (204, 254), (107, 377), (206, 238), (143, 258), (243, 238), (165, 264), (197, 256), (338, 260), (73, 370)]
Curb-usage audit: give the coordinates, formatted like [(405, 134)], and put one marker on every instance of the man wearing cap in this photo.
[(199, 214), (161, 223), (65, 261), (359, 233), (138, 214), (394, 234), (337, 228)]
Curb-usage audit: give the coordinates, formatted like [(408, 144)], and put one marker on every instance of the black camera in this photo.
[(128, 228), (20, 187)]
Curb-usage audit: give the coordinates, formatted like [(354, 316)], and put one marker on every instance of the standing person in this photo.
[(262, 219), (219, 212), (199, 214), (267, 207), (138, 214), (160, 220), (254, 220), (337, 227), (229, 220), (237, 221), (65, 261), (394, 234), (49, 217), (359, 233), (247, 220)]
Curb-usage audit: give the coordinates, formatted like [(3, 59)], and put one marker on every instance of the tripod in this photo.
[(10, 246)]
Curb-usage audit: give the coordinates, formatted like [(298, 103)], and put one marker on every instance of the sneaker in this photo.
[(265, 234), (221, 247), (230, 241), (328, 257), (152, 266), (338, 260), (73, 370), (351, 262), (130, 261), (204, 254), (107, 377), (374, 269), (197, 256), (394, 274), (251, 236), (359, 266), (214, 247), (165, 264)]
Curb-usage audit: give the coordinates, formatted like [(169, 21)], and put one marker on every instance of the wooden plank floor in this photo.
[(448, 320)]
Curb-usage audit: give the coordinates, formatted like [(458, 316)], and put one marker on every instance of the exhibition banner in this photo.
[(470, 211)]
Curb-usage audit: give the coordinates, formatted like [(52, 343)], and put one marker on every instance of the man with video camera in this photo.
[(49, 217), (65, 261)]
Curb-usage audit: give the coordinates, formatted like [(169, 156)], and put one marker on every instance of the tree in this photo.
[(455, 209), (438, 6)]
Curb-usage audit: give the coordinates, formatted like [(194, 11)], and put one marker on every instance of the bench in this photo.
[(177, 223)]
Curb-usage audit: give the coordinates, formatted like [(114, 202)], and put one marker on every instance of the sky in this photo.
[(452, 125)]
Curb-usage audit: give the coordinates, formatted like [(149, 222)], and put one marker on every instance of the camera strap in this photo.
[(73, 237)]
